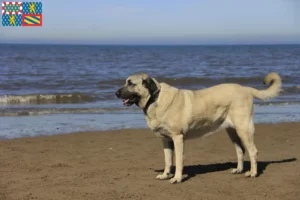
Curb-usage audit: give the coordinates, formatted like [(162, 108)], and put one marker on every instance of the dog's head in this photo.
[(138, 89)]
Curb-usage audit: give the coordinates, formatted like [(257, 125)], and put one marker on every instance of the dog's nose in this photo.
[(118, 93)]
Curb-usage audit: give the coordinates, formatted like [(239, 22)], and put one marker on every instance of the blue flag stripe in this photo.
[(35, 17), (30, 20)]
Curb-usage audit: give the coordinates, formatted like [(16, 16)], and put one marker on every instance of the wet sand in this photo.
[(123, 164)]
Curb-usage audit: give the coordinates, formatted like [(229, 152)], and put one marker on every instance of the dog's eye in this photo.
[(129, 83)]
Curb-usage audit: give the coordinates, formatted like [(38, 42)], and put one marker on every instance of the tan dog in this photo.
[(176, 114)]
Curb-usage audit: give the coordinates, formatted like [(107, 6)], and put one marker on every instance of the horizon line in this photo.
[(213, 44)]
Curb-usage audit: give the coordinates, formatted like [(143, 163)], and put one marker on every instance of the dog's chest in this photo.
[(162, 132), (152, 122), (157, 127)]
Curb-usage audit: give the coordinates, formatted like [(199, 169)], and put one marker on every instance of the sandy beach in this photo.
[(123, 164)]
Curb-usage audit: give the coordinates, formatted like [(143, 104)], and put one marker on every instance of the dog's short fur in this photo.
[(177, 114)]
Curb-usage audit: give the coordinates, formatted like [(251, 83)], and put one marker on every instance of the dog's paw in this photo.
[(250, 174), (163, 176), (175, 180), (236, 171)]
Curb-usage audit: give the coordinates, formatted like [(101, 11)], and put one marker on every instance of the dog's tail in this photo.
[(272, 91)]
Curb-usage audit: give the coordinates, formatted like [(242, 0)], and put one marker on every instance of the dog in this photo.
[(175, 115)]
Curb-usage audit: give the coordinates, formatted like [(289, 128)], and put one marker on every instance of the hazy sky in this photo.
[(162, 22)]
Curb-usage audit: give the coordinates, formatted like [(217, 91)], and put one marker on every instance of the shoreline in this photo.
[(145, 129), (54, 124), (123, 164)]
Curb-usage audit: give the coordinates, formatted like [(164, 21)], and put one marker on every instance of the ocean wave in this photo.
[(49, 111), (35, 59), (200, 83), (277, 103), (291, 90), (46, 98), (197, 81)]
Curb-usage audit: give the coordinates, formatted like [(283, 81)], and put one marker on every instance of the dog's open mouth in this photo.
[(130, 101)]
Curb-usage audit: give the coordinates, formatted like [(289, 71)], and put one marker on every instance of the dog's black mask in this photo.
[(129, 97)]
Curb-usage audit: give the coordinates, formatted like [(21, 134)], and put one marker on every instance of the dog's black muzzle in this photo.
[(129, 98), (118, 93)]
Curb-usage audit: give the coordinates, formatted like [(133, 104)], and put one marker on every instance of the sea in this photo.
[(58, 89)]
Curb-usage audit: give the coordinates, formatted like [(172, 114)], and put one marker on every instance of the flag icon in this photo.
[(22, 14), (32, 7), (12, 20), (32, 20), (12, 8)]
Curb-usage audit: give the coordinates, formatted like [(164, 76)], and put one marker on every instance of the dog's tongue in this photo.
[(125, 101)]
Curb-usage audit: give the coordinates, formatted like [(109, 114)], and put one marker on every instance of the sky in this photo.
[(176, 22)]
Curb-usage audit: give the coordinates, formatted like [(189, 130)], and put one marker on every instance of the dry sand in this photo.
[(123, 165)]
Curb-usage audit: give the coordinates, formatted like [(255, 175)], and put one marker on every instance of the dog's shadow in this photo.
[(194, 170)]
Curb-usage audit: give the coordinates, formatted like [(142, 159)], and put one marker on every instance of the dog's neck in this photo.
[(151, 100)]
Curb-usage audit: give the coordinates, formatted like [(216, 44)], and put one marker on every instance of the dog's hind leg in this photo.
[(168, 152), (240, 150), (247, 137)]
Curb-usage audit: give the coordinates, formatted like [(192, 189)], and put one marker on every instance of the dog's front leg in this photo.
[(168, 152), (178, 144)]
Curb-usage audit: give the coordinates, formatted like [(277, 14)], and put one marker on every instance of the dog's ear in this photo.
[(150, 85), (148, 82)]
